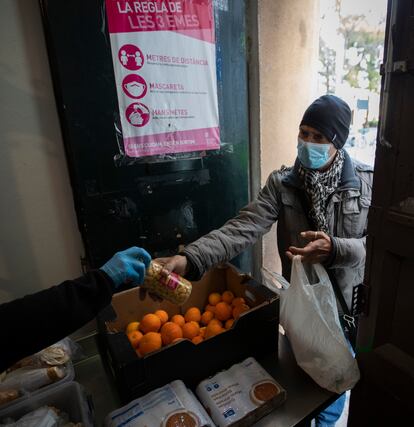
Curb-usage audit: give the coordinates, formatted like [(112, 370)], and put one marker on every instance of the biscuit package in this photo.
[(170, 406), (241, 395)]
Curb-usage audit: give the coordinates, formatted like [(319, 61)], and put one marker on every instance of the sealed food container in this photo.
[(173, 287), (171, 405), (69, 397), (27, 389), (241, 395)]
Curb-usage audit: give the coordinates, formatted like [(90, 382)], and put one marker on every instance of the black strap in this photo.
[(348, 321)]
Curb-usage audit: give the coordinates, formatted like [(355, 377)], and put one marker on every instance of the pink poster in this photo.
[(165, 71)]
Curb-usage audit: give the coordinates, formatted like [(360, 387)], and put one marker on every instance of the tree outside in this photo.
[(351, 47)]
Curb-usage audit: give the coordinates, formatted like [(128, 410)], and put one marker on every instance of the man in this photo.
[(38, 320), (320, 205)]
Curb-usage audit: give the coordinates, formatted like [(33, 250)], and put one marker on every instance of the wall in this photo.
[(40, 242), (288, 52)]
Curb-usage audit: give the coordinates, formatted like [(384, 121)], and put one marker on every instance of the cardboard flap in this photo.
[(130, 306)]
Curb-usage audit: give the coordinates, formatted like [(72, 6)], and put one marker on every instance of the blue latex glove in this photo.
[(128, 266)]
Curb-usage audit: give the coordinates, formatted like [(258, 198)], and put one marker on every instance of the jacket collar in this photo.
[(349, 179)]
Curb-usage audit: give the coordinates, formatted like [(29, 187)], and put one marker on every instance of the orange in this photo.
[(238, 301), (198, 339), (132, 326), (192, 314), (223, 311), (202, 332), (214, 298), (211, 308), (206, 317), (163, 315), (178, 319), (191, 330), (229, 323), (169, 332), (149, 342), (227, 296), (177, 339), (217, 322), (150, 323), (213, 329), (134, 338), (239, 309)]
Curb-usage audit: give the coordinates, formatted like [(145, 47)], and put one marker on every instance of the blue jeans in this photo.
[(329, 416)]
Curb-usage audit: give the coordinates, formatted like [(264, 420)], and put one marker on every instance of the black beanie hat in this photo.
[(331, 116)]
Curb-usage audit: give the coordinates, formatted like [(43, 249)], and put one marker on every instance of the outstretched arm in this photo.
[(233, 237), (31, 323)]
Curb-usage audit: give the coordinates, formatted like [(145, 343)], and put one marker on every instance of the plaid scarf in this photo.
[(318, 186)]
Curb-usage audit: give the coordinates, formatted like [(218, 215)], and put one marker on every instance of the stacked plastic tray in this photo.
[(69, 397), (25, 394)]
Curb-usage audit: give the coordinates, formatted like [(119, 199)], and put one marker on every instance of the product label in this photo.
[(172, 281)]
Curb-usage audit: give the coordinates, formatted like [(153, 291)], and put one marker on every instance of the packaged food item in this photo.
[(56, 354), (29, 379), (44, 416), (63, 405), (48, 367), (241, 395), (173, 288), (170, 406)]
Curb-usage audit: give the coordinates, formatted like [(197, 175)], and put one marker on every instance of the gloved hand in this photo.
[(128, 266)]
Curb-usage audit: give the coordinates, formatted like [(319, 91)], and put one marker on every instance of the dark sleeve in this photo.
[(31, 323)]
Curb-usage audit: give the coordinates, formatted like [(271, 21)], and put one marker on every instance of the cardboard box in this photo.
[(255, 334)]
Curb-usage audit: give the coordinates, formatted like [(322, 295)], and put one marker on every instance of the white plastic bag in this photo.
[(309, 315)]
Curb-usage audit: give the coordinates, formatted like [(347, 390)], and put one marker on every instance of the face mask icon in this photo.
[(136, 89)]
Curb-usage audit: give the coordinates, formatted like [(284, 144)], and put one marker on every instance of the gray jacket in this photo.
[(279, 201)]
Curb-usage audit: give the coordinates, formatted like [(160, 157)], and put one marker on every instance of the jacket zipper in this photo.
[(335, 212), (336, 216)]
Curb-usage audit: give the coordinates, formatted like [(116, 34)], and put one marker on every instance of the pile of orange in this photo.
[(157, 329)]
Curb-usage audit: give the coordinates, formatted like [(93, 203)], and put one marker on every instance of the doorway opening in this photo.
[(351, 49)]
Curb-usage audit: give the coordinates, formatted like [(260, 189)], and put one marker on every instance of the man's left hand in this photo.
[(316, 251)]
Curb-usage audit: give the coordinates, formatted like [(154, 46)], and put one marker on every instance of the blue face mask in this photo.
[(313, 156)]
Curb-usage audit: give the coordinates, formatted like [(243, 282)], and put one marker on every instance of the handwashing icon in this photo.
[(137, 114)]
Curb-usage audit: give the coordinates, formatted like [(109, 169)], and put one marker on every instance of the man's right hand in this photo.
[(176, 264)]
